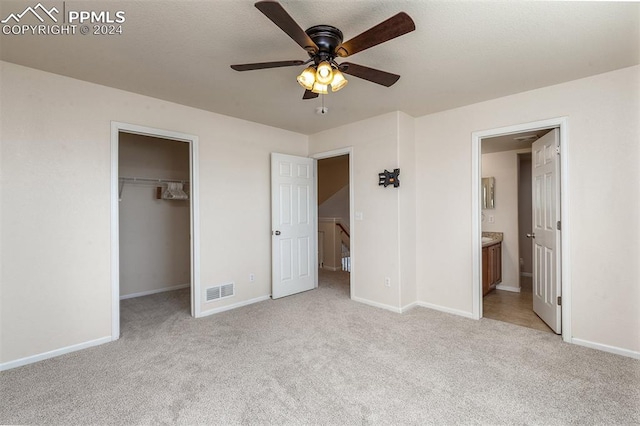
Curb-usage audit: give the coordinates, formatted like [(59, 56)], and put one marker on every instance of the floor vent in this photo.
[(220, 292)]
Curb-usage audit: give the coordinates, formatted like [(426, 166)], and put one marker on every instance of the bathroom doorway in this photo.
[(523, 280), (506, 162)]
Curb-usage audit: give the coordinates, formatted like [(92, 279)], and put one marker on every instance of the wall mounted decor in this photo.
[(387, 178)]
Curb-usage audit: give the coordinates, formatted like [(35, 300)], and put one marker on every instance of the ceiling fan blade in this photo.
[(393, 27), (263, 65), (308, 94), (371, 74), (274, 11)]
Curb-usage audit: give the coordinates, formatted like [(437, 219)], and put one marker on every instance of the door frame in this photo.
[(192, 140), (476, 226), (352, 252)]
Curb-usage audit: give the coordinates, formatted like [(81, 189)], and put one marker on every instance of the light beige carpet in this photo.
[(319, 358)]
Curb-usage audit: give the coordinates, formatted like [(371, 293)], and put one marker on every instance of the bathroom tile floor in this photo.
[(514, 308)]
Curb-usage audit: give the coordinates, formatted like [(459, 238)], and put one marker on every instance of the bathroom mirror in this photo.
[(488, 192)]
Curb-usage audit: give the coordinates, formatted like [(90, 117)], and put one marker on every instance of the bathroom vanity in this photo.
[(491, 261)]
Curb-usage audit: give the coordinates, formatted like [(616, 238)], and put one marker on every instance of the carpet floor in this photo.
[(320, 358)]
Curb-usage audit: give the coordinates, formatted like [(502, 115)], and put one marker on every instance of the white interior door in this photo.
[(546, 236), (293, 218)]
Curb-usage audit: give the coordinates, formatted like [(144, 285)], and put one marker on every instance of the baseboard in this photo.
[(445, 309), (150, 292), (377, 305), (408, 307), (606, 348), (526, 274), (331, 268), (508, 288), (234, 306), (57, 352)]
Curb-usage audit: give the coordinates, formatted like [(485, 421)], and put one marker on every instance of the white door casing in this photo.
[(546, 236), (194, 176), (293, 220)]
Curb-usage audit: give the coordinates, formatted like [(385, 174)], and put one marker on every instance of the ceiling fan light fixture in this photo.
[(307, 78), (338, 81), (324, 74), (319, 88)]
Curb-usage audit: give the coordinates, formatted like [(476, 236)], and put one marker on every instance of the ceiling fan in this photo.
[(324, 44)]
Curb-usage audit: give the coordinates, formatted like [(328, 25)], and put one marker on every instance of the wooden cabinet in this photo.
[(491, 267)]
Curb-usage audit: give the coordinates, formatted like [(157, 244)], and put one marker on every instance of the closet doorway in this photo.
[(154, 219)]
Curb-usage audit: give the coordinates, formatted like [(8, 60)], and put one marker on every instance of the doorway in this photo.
[(335, 218), (511, 280), (507, 216), (171, 190)]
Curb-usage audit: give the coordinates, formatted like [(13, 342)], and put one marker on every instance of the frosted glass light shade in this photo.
[(338, 81), (324, 73), (307, 78), (319, 88)]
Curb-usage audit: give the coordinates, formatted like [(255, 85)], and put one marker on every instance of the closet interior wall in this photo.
[(154, 233)]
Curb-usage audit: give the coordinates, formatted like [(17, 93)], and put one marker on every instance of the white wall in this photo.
[(55, 202), (55, 207), (155, 239), (408, 193), (503, 166), (604, 177), (375, 238)]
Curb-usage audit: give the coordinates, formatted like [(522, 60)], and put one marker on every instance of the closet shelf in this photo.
[(124, 179), (149, 180)]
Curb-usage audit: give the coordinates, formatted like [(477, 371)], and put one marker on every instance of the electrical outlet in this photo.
[(252, 277), (387, 282)]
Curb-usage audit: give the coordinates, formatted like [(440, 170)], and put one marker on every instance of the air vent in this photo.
[(220, 292)]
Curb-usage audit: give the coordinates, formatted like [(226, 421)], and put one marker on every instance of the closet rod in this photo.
[(136, 179)]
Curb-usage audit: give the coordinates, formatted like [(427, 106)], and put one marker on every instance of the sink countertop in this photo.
[(496, 237)]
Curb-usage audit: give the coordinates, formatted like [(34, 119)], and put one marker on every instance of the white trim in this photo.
[(315, 223), (606, 348), (234, 306), (116, 128), (476, 157), (526, 274), (395, 309), (115, 236), (150, 292), (409, 307), (352, 228), (508, 288), (446, 310), (50, 354)]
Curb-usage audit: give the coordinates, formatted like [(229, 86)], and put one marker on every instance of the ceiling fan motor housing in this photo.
[(327, 38)]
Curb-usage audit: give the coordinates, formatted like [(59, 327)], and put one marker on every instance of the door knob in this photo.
[(277, 232), (531, 235)]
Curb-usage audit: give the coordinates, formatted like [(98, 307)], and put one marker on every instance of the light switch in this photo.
[(492, 219), (358, 216)]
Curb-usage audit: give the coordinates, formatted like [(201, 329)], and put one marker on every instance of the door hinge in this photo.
[(558, 150), (559, 300), (558, 227)]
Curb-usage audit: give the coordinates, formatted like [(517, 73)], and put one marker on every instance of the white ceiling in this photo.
[(460, 53), (511, 142)]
